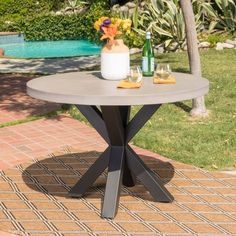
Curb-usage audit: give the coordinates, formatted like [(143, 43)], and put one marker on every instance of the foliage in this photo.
[(23, 8), (203, 12), (12, 12), (55, 27), (165, 20), (133, 39), (10, 26), (225, 16), (76, 4), (215, 38)]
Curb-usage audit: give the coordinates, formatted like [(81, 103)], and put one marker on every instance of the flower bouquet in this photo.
[(115, 59), (112, 28)]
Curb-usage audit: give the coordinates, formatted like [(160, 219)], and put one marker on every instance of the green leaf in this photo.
[(162, 32)]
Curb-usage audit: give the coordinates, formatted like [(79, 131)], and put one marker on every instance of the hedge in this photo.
[(56, 27), (21, 8)]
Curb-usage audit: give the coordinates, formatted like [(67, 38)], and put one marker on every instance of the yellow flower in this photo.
[(97, 25), (99, 22), (112, 20), (116, 21), (126, 24), (103, 18)]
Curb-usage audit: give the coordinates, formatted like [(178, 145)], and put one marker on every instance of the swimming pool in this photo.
[(14, 46)]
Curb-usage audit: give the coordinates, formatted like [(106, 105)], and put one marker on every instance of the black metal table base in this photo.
[(124, 165)]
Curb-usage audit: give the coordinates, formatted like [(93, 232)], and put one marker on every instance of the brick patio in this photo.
[(31, 140), (41, 160), (15, 104), (57, 151)]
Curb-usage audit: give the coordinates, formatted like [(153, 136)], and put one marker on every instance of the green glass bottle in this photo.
[(148, 57)]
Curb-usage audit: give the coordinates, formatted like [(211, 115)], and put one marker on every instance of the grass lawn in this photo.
[(208, 143)]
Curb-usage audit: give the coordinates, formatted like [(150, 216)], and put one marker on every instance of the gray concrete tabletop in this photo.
[(88, 88)]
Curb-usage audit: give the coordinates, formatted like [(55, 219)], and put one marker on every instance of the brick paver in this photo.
[(15, 104), (57, 151), (30, 140)]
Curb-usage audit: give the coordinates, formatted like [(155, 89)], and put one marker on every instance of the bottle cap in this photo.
[(148, 35)]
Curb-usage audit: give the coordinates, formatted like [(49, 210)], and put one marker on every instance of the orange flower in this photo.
[(110, 32)]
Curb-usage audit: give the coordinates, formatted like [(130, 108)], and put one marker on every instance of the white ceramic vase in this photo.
[(115, 61)]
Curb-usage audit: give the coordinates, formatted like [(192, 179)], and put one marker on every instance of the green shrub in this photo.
[(165, 20), (225, 16), (133, 39), (25, 7), (55, 27), (12, 12), (214, 38)]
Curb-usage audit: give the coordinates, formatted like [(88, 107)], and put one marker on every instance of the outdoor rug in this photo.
[(34, 201)]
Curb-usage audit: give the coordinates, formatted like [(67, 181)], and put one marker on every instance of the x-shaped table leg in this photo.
[(124, 165)]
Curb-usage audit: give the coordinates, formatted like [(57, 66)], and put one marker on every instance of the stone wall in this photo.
[(128, 8)]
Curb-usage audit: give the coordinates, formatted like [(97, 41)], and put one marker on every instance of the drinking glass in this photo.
[(135, 74), (163, 71)]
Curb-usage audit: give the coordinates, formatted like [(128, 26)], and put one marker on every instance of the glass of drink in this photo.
[(163, 71), (135, 74)]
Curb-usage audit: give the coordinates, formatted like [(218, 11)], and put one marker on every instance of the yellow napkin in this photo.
[(129, 85), (170, 80)]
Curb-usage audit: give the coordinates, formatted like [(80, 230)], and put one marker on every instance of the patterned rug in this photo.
[(34, 201)]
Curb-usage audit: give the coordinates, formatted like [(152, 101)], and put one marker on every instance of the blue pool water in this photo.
[(49, 49)]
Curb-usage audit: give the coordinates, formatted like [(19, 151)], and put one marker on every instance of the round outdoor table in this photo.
[(87, 90)]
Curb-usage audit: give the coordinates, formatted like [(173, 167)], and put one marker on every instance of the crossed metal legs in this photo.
[(124, 165)]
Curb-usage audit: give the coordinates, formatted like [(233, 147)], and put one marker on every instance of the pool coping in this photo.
[(9, 33)]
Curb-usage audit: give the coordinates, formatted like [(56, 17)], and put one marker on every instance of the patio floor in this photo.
[(41, 160), (48, 66), (15, 104)]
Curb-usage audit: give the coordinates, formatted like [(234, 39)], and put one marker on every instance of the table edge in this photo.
[(80, 100)]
